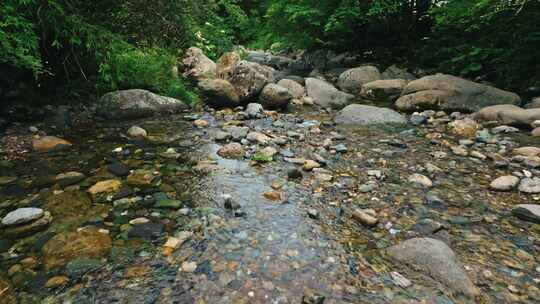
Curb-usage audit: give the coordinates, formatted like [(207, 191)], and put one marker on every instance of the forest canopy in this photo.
[(77, 47)]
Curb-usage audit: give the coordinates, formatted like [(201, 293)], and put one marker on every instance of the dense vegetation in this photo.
[(80, 48)]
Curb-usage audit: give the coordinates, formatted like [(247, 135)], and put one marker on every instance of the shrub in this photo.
[(150, 69)]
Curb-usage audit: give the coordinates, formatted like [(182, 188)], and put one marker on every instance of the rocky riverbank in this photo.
[(257, 204)]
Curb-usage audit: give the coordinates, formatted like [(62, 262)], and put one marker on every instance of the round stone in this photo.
[(504, 183)]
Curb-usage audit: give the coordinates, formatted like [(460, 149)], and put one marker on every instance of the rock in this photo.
[(459, 150), (237, 133), (466, 128), (352, 80), (136, 132), (249, 78), (310, 165), (69, 205), (189, 266), (229, 203), (295, 89), (383, 90), (313, 214), (232, 150), (366, 217), (519, 117), (258, 137), (50, 143), (219, 93), (24, 230), (150, 231), (527, 151), (504, 129), (535, 132), (274, 196), (269, 152), (417, 119), (312, 297), (87, 243), (253, 110), (56, 281), (394, 72), (504, 183), (118, 169), (491, 113), (356, 114), (274, 96), (294, 174), (6, 180), (168, 204), (22, 216), (400, 280), (527, 212), (446, 92), (221, 135), (530, 185), (141, 178), (197, 65), (69, 178), (136, 103), (278, 62), (226, 63), (421, 180), (326, 95), (105, 187), (200, 123), (534, 104), (437, 260)]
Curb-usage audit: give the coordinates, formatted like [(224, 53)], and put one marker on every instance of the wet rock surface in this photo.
[(296, 209)]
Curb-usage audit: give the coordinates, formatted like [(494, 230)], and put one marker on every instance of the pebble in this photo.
[(136, 132), (420, 180), (366, 217), (294, 173), (313, 213), (400, 280), (189, 267), (57, 281), (200, 123), (504, 183), (310, 165)]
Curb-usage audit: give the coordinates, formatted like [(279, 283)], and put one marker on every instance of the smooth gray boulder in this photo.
[(136, 103), (326, 95), (437, 260), (357, 114), (22, 216), (351, 80), (383, 90), (451, 93)]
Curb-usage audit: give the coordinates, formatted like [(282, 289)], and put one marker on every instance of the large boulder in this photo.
[(394, 72), (326, 95), (249, 78), (519, 117), (219, 93), (383, 90), (226, 63), (67, 246), (274, 96), (447, 92), (491, 113), (437, 260), (357, 114), (535, 103), (197, 66), (351, 80), (136, 103), (295, 88)]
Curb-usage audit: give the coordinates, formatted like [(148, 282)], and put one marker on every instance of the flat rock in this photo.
[(21, 216), (530, 185), (50, 143), (437, 260), (69, 178), (504, 183), (357, 114), (232, 150), (527, 212), (326, 95)]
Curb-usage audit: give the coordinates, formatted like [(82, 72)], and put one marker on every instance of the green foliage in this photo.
[(150, 69)]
